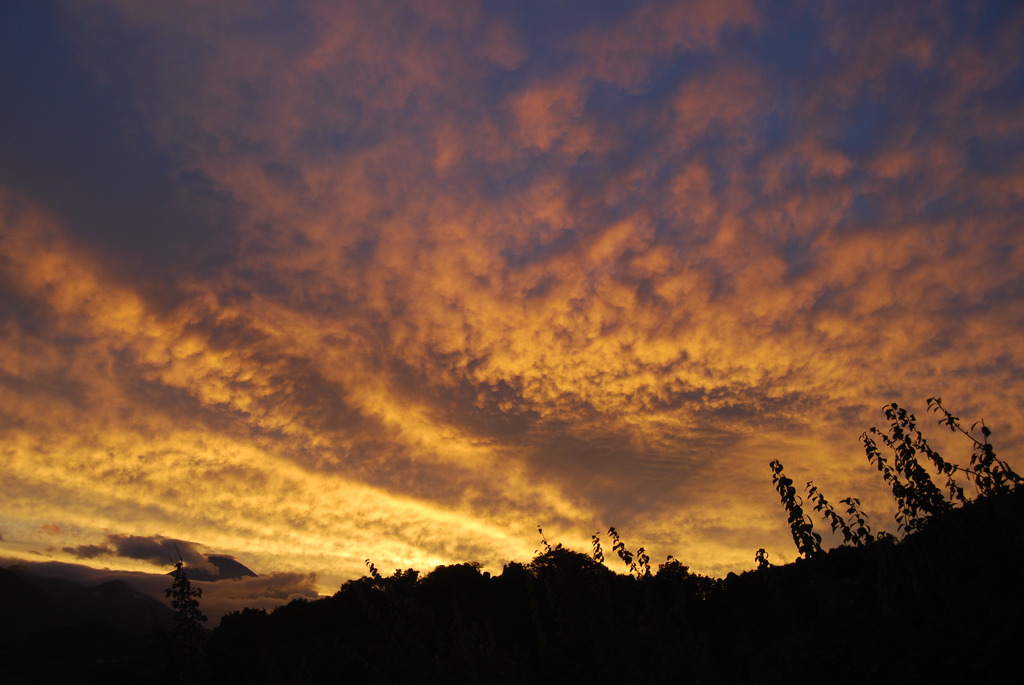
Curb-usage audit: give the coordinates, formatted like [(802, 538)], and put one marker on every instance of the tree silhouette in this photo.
[(183, 644)]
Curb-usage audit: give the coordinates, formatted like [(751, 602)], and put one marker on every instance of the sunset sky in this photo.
[(308, 283)]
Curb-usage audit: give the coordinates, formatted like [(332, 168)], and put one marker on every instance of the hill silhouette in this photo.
[(55, 630)]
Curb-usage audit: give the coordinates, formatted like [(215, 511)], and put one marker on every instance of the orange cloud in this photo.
[(481, 279)]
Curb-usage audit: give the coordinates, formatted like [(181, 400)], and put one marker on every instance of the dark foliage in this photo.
[(553, 620), (182, 645), (940, 604)]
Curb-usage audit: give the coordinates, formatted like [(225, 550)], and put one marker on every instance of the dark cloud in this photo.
[(89, 551), (161, 551), (156, 549)]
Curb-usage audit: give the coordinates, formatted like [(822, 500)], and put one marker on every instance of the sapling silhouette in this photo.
[(835, 520), (183, 644), (639, 563), (862, 532), (991, 475), (918, 500), (184, 598), (544, 542), (917, 497), (374, 573), (808, 543)]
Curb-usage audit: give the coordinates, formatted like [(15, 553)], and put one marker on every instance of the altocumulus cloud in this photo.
[(454, 269)]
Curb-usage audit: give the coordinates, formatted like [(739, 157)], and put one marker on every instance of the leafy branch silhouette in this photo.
[(918, 499)]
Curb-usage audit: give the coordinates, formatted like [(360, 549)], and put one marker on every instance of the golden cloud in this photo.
[(478, 283)]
